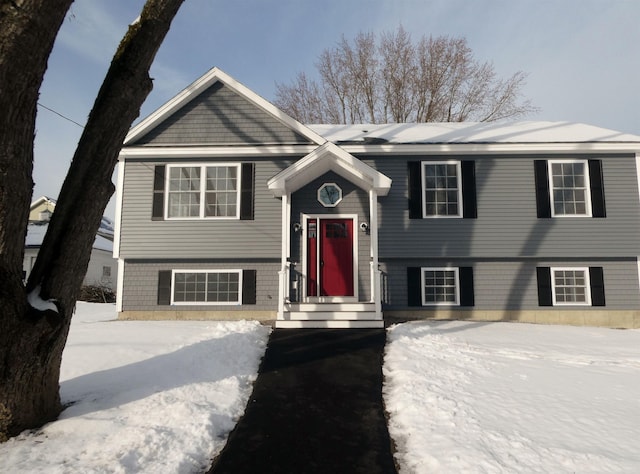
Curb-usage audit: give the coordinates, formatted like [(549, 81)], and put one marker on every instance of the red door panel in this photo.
[(336, 257)]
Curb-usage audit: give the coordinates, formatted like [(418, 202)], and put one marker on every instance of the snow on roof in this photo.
[(472, 132), (35, 236)]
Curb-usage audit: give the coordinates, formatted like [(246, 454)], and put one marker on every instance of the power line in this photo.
[(60, 115)]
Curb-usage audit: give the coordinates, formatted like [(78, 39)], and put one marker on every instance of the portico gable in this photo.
[(299, 306)]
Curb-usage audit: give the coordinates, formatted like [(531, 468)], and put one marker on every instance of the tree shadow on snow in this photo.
[(196, 363)]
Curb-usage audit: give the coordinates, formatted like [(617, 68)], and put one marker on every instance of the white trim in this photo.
[(303, 270), (330, 323), (206, 303), (424, 188), (203, 182), (587, 284), (391, 151), (328, 157), (202, 84), (187, 152), (587, 179), (119, 285), (118, 217), (456, 270), (638, 172)]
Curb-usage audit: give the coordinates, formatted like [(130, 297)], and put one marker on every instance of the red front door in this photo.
[(330, 258)]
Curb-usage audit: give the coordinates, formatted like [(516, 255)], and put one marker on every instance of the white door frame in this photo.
[(303, 269)]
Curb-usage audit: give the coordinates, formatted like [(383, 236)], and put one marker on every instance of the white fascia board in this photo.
[(218, 151), (200, 85), (325, 158), (494, 148)]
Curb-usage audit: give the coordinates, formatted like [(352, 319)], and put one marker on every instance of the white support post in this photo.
[(283, 274), (375, 272), (119, 285)]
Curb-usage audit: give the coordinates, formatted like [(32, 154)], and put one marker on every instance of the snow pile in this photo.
[(505, 398), (145, 396)]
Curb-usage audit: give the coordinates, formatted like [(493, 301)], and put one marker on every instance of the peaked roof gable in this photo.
[(201, 85), (328, 157)]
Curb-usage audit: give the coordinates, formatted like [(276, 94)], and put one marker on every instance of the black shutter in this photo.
[(466, 286), (249, 286), (157, 210), (545, 296), (596, 278), (414, 286), (415, 189), (164, 287), (598, 208), (543, 199), (247, 191), (469, 209)]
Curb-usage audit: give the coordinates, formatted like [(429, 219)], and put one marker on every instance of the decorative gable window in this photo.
[(203, 191), (442, 189), (569, 188)]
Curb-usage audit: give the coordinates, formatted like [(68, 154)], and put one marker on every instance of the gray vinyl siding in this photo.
[(507, 224), (220, 116), (140, 292), (143, 238), (354, 201), (509, 285)]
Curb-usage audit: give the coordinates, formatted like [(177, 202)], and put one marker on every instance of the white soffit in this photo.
[(203, 83)]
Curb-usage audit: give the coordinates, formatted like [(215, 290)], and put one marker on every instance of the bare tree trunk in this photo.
[(31, 357), (27, 33)]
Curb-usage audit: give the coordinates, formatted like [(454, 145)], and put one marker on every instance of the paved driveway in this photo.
[(316, 407)]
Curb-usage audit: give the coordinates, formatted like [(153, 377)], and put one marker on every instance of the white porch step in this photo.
[(330, 315), (338, 324), (329, 307)]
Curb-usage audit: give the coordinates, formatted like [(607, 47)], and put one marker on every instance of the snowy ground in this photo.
[(513, 398), (153, 397), (161, 397)]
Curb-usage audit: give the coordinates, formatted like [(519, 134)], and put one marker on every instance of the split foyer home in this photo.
[(229, 208)]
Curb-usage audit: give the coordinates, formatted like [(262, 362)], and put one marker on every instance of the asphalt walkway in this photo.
[(316, 407)]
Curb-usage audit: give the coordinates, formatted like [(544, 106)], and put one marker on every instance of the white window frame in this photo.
[(203, 183), (587, 283), (587, 181), (458, 164), (456, 271), (206, 303)]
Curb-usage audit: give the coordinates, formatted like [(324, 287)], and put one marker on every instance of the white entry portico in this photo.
[(299, 303)]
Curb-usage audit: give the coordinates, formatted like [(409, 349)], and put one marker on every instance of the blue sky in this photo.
[(582, 56)]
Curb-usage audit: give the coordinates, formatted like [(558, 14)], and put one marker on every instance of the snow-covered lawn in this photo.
[(152, 397), (513, 398), (161, 397)]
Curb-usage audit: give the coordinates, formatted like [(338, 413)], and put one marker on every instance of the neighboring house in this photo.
[(229, 208), (102, 269)]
